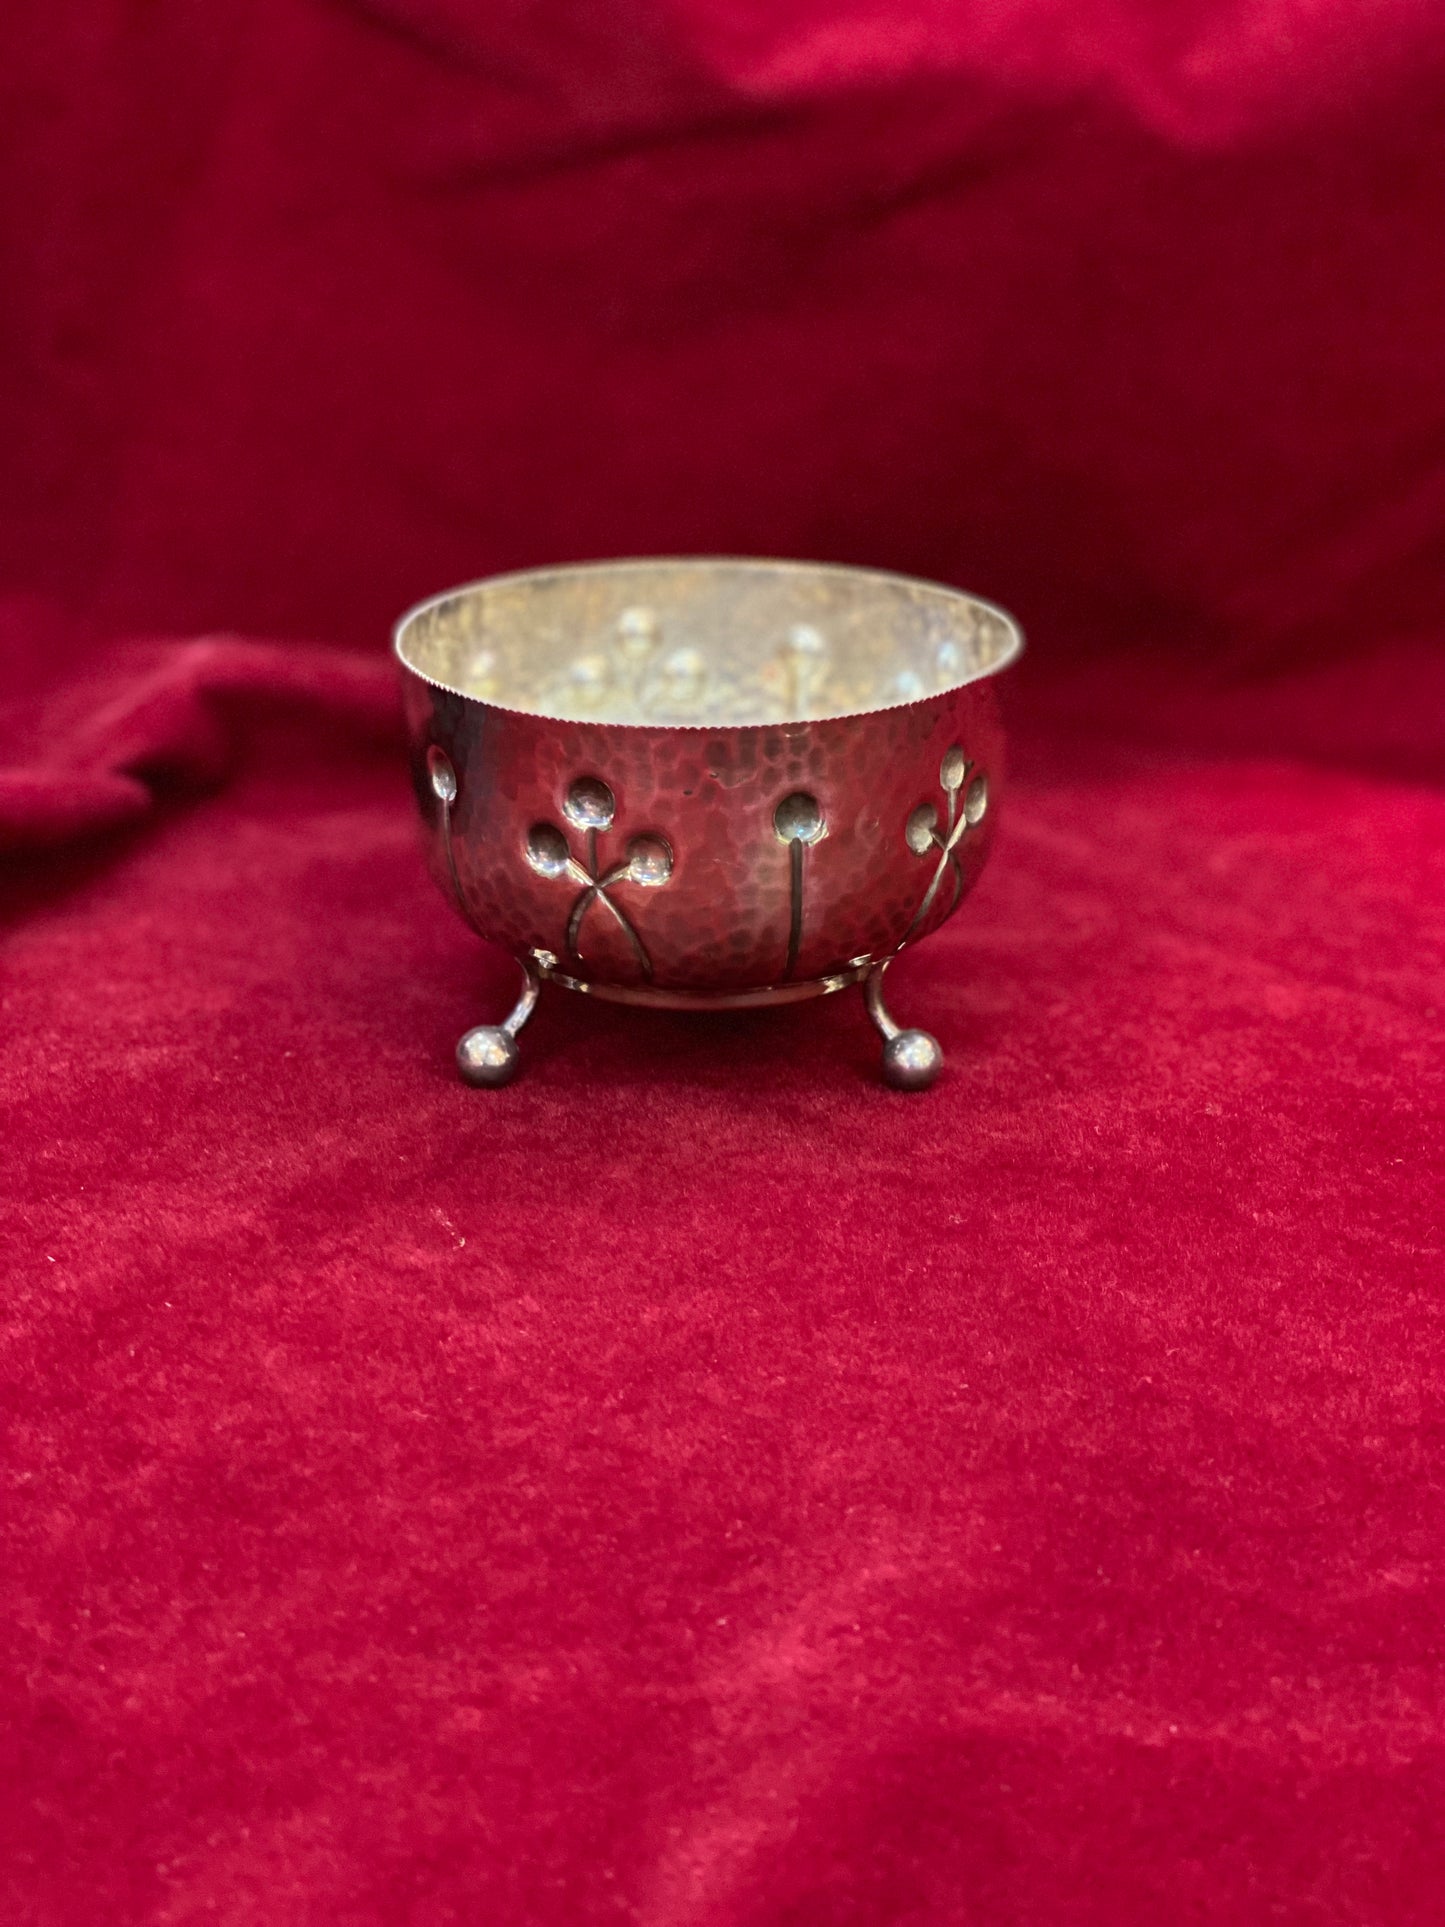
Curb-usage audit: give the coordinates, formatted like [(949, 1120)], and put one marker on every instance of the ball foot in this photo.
[(911, 1061), (488, 1057), (911, 1058)]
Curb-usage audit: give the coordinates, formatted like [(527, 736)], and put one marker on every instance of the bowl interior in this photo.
[(704, 642)]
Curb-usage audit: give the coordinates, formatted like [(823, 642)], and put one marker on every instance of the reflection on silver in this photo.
[(798, 821), (923, 833), (443, 778), (707, 643), (763, 996), (590, 807), (487, 1056), (638, 636), (806, 667), (482, 674), (683, 683)]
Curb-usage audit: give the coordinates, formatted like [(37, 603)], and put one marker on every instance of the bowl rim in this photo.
[(1012, 649)]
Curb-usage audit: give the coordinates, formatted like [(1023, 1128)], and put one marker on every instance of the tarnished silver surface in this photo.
[(705, 784)]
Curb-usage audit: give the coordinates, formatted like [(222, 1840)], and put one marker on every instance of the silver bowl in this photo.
[(705, 784)]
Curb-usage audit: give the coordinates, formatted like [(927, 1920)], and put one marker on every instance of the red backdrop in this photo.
[(696, 1486)]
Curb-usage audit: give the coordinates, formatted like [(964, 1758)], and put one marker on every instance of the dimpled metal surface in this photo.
[(698, 861)]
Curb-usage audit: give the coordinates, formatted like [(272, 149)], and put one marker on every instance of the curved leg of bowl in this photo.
[(488, 1055), (911, 1058)]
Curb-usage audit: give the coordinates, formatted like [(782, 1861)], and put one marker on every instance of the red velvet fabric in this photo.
[(695, 1486)]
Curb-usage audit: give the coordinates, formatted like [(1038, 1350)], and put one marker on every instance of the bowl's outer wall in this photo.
[(722, 921)]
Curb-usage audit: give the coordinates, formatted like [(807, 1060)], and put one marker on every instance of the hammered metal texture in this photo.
[(722, 919)]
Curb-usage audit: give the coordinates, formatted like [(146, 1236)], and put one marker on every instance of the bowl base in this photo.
[(487, 1056), (654, 998)]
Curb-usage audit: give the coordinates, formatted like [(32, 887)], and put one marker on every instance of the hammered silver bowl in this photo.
[(705, 784)]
